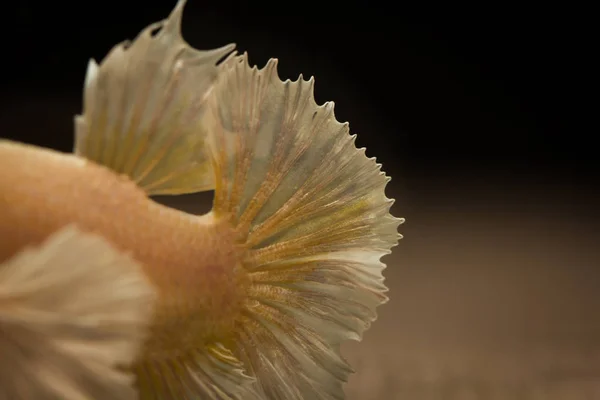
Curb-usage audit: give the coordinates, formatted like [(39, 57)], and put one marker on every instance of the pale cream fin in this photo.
[(314, 221), (73, 313), (143, 107)]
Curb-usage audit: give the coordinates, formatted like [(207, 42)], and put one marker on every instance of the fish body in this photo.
[(250, 301), (191, 259)]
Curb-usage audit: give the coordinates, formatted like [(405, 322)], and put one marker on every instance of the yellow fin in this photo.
[(312, 216), (73, 312), (143, 108)]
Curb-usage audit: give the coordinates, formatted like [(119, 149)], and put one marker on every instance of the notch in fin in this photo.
[(143, 109), (73, 312), (313, 221)]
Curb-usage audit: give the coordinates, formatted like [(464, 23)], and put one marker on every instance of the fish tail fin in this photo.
[(312, 220), (142, 118), (73, 314)]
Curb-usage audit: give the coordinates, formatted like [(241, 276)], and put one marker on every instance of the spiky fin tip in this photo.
[(143, 109), (311, 213)]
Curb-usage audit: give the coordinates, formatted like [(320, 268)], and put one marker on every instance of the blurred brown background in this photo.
[(494, 295), (495, 288)]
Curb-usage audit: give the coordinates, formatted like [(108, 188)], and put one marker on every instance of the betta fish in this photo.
[(105, 293)]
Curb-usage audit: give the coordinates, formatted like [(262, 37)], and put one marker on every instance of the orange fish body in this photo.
[(191, 260), (135, 300)]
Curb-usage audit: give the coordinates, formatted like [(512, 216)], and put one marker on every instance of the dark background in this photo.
[(483, 125)]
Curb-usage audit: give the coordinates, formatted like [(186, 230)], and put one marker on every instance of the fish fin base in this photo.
[(210, 373), (143, 109), (313, 220), (74, 312)]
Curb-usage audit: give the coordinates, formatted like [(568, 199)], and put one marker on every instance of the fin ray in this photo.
[(212, 372), (312, 217)]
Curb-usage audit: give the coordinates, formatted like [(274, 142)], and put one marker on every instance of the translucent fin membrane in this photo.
[(143, 108), (211, 372), (313, 222), (73, 311)]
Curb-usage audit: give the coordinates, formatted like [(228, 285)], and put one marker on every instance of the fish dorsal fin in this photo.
[(73, 312), (313, 221), (142, 117)]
